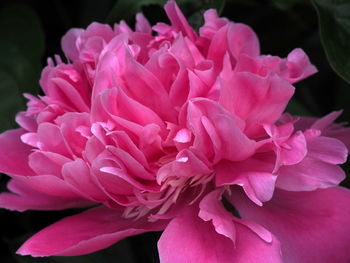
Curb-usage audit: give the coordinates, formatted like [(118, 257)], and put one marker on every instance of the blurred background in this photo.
[(30, 32)]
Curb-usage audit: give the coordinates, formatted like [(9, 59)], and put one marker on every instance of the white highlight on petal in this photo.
[(183, 136)]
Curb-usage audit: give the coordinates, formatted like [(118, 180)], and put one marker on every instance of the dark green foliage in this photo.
[(21, 49), (334, 23)]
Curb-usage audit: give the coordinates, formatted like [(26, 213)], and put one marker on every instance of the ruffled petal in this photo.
[(254, 175), (212, 209), (257, 100)]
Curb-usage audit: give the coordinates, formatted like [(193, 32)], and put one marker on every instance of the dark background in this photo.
[(30, 32)]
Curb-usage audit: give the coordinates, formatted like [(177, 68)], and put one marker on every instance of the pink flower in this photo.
[(176, 131)]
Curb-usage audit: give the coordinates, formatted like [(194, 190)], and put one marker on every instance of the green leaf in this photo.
[(334, 25), (284, 4)]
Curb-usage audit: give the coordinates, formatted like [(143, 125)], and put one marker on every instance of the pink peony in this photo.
[(158, 132)]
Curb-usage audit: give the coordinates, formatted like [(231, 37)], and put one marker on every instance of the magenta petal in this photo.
[(142, 24), (178, 20), (309, 174), (255, 99), (187, 238), (27, 122), (87, 232), (78, 175), (242, 39), (185, 165), (236, 146), (251, 248), (150, 93), (212, 23), (295, 151), (48, 185), (14, 161), (47, 163), (329, 150), (24, 198), (311, 226), (299, 66), (212, 209), (69, 43), (254, 175)]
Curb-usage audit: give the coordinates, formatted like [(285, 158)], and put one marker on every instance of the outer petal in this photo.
[(87, 232), (319, 168), (189, 239), (49, 185), (16, 160), (327, 127), (25, 198), (311, 226), (328, 150)]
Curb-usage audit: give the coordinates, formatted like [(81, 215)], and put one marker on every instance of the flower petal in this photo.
[(142, 24), (212, 209), (78, 175), (69, 43), (178, 20), (14, 161), (326, 149), (311, 226), (309, 174), (187, 238), (87, 232), (299, 66), (48, 185), (25, 198), (255, 99), (254, 175)]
